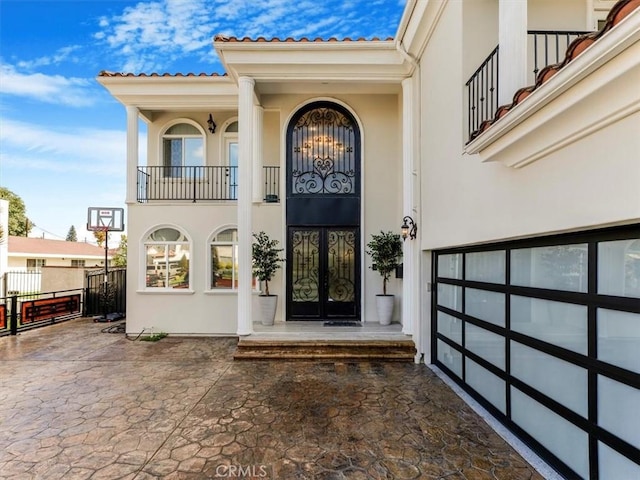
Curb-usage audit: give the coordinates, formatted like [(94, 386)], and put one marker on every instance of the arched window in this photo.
[(183, 151), (167, 259), (223, 260), (323, 155)]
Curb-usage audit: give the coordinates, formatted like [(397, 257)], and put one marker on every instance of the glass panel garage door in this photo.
[(545, 333)]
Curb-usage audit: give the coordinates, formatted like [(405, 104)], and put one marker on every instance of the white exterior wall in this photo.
[(480, 32), (558, 14), (4, 235), (214, 313), (381, 201), (589, 183)]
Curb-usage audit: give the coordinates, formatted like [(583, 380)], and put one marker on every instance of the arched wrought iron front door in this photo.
[(323, 214)]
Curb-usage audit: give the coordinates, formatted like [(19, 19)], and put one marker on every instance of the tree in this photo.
[(385, 250), (266, 260), (19, 224), (120, 257), (100, 236), (72, 236)]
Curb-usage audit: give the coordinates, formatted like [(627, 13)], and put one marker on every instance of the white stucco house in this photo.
[(523, 282)]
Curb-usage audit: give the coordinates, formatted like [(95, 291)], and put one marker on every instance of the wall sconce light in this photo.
[(409, 228), (212, 124)]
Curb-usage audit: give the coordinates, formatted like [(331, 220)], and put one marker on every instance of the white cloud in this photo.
[(154, 35), (63, 54), (150, 35), (54, 89), (60, 171), (34, 147)]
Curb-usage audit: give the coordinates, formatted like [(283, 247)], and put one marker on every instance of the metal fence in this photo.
[(23, 312), (544, 48), (550, 47), (199, 183), (114, 301), (21, 282), (482, 92), (24, 307), (271, 177)]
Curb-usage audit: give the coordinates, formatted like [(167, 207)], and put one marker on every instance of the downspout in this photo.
[(407, 57)]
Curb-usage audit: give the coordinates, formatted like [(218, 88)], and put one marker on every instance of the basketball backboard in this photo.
[(105, 218)]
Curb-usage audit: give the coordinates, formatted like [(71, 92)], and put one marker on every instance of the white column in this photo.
[(257, 154), (245, 187), (4, 237), (512, 38), (132, 154), (410, 247)]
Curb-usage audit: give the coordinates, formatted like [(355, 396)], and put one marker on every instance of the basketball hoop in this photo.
[(105, 219), (101, 219)]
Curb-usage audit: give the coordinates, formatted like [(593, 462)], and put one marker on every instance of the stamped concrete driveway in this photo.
[(77, 403)]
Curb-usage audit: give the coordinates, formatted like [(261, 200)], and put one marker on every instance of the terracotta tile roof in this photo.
[(41, 246), (225, 38), (105, 73), (618, 12)]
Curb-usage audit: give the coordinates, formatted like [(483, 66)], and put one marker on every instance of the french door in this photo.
[(322, 273)]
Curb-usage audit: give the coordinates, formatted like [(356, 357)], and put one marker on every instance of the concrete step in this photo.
[(325, 350)]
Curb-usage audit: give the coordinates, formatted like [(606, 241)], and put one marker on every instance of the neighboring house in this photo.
[(30, 254), (523, 282), (42, 265)]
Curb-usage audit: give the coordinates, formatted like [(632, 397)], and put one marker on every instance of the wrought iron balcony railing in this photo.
[(199, 183), (544, 48), (482, 92)]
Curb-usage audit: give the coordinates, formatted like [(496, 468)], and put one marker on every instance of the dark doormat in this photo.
[(341, 323)]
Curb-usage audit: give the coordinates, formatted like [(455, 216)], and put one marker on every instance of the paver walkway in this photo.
[(77, 403)]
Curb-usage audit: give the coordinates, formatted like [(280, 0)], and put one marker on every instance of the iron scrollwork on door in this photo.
[(341, 245), (323, 157), (306, 263)]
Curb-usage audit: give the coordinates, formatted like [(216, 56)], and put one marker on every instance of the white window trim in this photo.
[(162, 135), (210, 242), (142, 280)]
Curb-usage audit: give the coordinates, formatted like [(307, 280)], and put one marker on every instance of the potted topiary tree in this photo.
[(266, 262), (386, 252)]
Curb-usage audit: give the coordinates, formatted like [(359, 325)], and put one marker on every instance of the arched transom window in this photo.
[(167, 259), (323, 157)]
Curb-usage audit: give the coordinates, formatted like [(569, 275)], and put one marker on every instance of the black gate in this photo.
[(97, 302)]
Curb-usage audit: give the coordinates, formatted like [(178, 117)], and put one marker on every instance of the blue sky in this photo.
[(62, 136)]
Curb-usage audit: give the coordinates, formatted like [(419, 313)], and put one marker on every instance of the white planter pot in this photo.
[(384, 304), (268, 306)]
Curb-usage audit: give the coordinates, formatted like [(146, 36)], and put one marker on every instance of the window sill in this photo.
[(227, 292), (165, 291)]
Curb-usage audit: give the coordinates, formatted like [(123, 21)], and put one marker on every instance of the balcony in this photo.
[(582, 102), (545, 48), (198, 184)]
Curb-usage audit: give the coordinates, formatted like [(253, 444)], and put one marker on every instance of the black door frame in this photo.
[(326, 208), (336, 282)]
